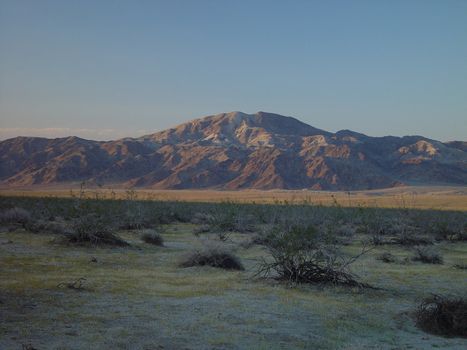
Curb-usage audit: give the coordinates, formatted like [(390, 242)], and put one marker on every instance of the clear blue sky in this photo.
[(105, 69)]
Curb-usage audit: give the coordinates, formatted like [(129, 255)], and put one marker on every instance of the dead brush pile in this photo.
[(443, 316), (300, 255)]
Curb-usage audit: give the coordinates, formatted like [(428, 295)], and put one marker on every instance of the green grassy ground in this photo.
[(138, 298)]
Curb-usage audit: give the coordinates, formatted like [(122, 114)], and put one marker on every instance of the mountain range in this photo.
[(237, 151)]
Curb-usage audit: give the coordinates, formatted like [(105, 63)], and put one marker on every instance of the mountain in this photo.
[(237, 151)]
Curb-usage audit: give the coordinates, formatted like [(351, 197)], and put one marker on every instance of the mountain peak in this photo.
[(237, 150), (239, 129)]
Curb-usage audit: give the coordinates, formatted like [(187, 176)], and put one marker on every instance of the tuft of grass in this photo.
[(443, 315), (152, 237), (212, 256)]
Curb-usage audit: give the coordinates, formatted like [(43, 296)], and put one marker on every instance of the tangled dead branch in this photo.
[(299, 256)]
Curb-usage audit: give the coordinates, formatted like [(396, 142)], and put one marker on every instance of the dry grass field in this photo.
[(417, 197), (82, 273)]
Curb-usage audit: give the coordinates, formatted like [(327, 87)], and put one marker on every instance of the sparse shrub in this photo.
[(257, 238), (7, 228), (93, 229), (460, 266), (377, 239), (399, 225), (244, 223), (452, 230), (54, 227), (132, 219), (443, 315), (427, 256), (387, 257), (346, 230), (212, 256), (15, 215), (152, 237), (300, 255), (201, 229), (230, 218), (201, 218), (411, 240)]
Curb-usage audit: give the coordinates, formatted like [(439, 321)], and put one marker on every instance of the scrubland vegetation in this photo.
[(89, 273)]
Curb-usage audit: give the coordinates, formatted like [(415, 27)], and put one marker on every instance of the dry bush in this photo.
[(231, 219), (94, 230), (346, 230), (255, 239), (201, 218), (387, 257), (15, 215), (212, 256), (377, 240), (450, 230), (405, 232), (300, 255), (54, 227), (411, 240), (427, 256), (201, 229), (443, 315), (152, 237)]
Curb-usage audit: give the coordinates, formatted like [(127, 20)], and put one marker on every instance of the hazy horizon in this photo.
[(111, 69), (115, 134)]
